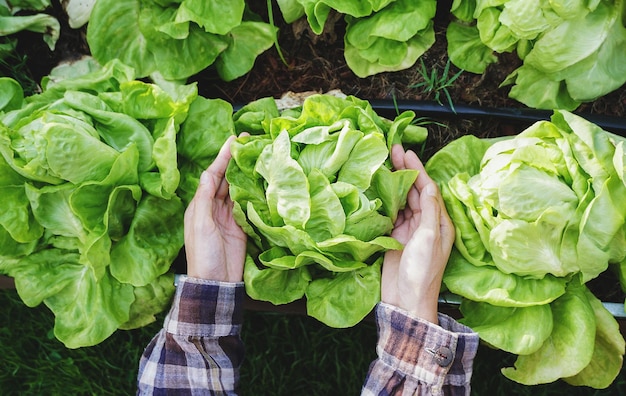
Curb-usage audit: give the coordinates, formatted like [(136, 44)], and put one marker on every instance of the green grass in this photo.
[(285, 355), (14, 65), (297, 355), (435, 84), (33, 362)]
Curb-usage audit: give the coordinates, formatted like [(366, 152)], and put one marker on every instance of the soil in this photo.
[(316, 63)]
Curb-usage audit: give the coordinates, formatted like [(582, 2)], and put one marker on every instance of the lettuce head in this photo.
[(537, 216), (314, 190), (91, 218), (571, 52)]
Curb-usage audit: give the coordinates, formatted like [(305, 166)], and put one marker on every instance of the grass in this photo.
[(285, 355), (436, 84), (33, 362), (14, 65)]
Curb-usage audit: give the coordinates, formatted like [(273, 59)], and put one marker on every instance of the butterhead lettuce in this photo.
[(537, 216), (381, 35), (91, 218), (177, 39), (571, 52), (314, 189)]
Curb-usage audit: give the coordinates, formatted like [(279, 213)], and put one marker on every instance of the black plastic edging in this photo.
[(616, 309)]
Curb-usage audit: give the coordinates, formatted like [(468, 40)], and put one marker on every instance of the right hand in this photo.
[(411, 278)]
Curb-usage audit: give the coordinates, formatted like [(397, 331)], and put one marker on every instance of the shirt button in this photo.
[(443, 356)]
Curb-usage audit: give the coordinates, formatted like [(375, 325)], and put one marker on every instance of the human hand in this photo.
[(215, 245), (411, 278)]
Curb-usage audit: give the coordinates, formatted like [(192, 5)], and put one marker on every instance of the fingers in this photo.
[(397, 156), (412, 161), (215, 172), (431, 211), (434, 216), (213, 183), (447, 227), (409, 160), (425, 192)]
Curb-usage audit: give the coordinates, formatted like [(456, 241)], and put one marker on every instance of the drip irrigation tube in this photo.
[(613, 124), (453, 300)]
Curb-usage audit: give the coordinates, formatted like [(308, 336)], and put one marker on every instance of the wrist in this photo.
[(427, 311), (419, 306)]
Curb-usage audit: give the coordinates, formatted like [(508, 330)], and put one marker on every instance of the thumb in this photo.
[(429, 204), (427, 232)]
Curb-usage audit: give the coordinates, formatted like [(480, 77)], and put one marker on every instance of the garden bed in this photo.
[(470, 104)]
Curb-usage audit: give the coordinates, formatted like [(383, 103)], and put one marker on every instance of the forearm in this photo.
[(416, 356), (199, 346)]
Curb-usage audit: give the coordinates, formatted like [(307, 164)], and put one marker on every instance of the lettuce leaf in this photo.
[(11, 23), (178, 39)]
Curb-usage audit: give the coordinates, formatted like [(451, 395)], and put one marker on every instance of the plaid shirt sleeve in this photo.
[(419, 357), (199, 350)]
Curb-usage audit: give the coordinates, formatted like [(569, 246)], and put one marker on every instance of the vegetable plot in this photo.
[(91, 219), (537, 216), (314, 190), (570, 51)]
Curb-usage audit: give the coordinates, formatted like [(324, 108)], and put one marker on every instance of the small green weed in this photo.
[(437, 84), (14, 65)]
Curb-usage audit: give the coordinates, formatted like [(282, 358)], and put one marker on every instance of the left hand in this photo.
[(215, 245)]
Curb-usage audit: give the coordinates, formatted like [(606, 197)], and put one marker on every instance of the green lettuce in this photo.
[(317, 11), (537, 216), (11, 22), (314, 190), (391, 39), (571, 51), (90, 180), (177, 39), (381, 35)]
